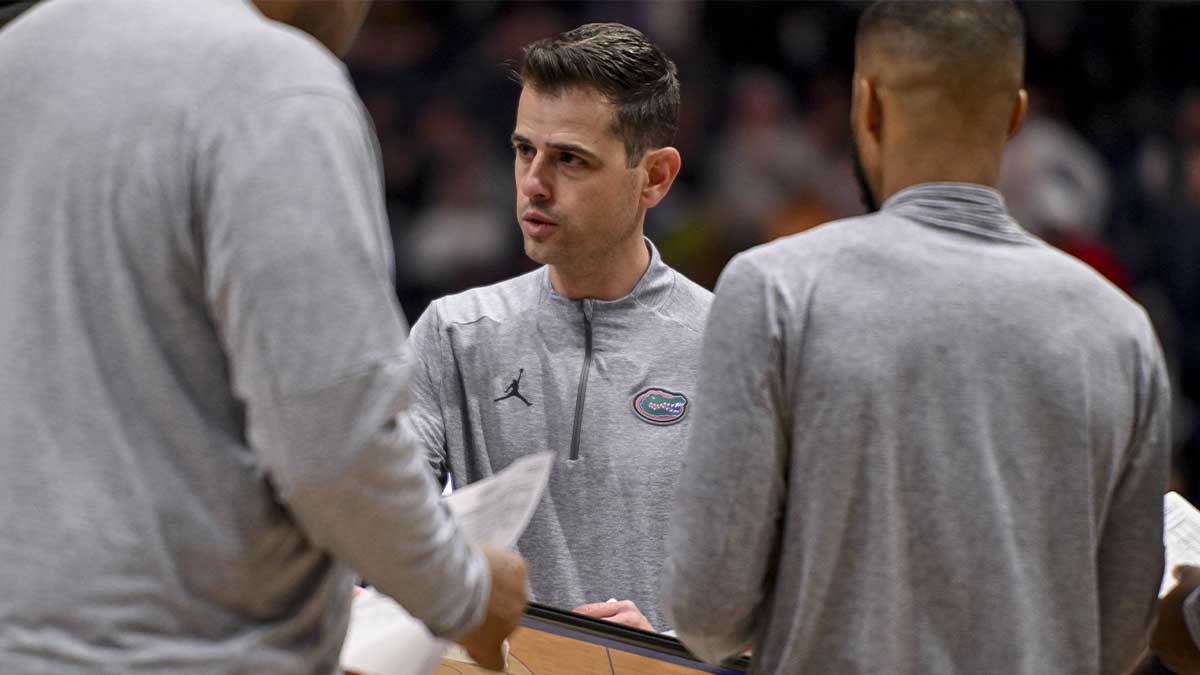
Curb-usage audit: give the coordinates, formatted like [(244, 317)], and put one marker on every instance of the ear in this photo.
[(867, 110), (661, 166), (1020, 107)]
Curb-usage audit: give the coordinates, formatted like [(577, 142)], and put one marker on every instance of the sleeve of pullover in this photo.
[(1130, 558), (297, 264), (726, 519), (426, 414)]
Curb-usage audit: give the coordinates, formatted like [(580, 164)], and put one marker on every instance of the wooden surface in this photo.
[(535, 652)]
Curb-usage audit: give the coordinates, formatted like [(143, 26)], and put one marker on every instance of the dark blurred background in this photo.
[(1107, 166)]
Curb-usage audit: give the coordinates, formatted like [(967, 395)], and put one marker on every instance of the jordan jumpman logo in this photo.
[(514, 389)]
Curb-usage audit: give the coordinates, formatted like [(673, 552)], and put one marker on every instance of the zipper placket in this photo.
[(581, 394)]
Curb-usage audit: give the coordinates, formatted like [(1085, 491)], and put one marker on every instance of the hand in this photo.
[(506, 604), (617, 611), (1171, 639)]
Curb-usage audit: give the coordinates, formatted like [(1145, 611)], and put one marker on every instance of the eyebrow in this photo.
[(561, 147)]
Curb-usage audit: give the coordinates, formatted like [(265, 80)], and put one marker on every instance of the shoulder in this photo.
[(1076, 285), (797, 260), (203, 47), (687, 303), (234, 58), (498, 302), (275, 58), (818, 244)]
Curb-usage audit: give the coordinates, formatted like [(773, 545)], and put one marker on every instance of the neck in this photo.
[(922, 149), (966, 165), (610, 278)]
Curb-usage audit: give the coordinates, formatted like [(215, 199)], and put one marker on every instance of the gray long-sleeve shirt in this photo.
[(202, 357), (932, 444), (516, 368)]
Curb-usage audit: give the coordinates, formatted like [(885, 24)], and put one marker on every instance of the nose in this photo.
[(532, 180)]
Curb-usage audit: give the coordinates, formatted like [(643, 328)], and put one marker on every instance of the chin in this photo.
[(539, 252)]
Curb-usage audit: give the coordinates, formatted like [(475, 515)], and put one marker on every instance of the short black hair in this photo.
[(974, 39), (622, 65)]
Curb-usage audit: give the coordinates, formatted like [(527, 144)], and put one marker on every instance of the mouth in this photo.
[(536, 225)]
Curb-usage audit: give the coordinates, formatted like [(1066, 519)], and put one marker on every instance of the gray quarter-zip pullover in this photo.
[(202, 356), (933, 444), (516, 368)]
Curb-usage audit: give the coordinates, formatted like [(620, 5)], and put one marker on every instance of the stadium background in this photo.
[(1107, 166)]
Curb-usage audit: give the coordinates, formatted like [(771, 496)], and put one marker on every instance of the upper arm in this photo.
[(298, 285), (1130, 556), (426, 413), (298, 278), (729, 501)]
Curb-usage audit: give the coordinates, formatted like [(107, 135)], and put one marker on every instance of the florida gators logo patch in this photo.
[(659, 406)]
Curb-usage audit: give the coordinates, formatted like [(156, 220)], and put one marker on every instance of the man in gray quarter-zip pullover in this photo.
[(592, 356), (202, 354), (932, 443)]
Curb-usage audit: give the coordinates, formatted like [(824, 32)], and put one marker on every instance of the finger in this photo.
[(595, 605), (1182, 572), (613, 605), (492, 659), (632, 619), (598, 610)]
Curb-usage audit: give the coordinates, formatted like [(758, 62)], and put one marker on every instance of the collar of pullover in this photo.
[(968, 207), (650, 292)]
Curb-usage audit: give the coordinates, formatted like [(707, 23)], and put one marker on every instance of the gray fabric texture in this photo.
[(932, 444), (599, 531), (204, 360)]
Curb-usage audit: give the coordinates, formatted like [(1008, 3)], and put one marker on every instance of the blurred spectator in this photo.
[(1175, 269), (1058, 187), (765, 160), (463, 231)]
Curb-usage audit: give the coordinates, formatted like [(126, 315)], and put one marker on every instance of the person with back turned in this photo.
[(203, 357), (941, 444)]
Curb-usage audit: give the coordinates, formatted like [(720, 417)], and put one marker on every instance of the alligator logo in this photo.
[(659, 406)]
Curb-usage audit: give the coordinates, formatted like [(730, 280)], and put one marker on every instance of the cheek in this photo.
[(613, 202), (620, 208), (518, 174), (606, 204)]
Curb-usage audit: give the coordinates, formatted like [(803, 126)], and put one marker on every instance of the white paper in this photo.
[(1181, 534), (496, 510), (384, 639)]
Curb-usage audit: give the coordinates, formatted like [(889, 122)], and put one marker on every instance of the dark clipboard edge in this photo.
[(652, 644)]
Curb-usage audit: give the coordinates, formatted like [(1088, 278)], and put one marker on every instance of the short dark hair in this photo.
[(970, 38), (622, 65)]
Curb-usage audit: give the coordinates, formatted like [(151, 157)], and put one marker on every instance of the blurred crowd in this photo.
[(1107, 166)]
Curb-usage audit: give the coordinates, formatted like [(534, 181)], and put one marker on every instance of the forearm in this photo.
[(719, 551), (714, 624), (382, 515)]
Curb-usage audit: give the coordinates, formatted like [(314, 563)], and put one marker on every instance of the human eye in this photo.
[(571, 159), (523, 150)]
